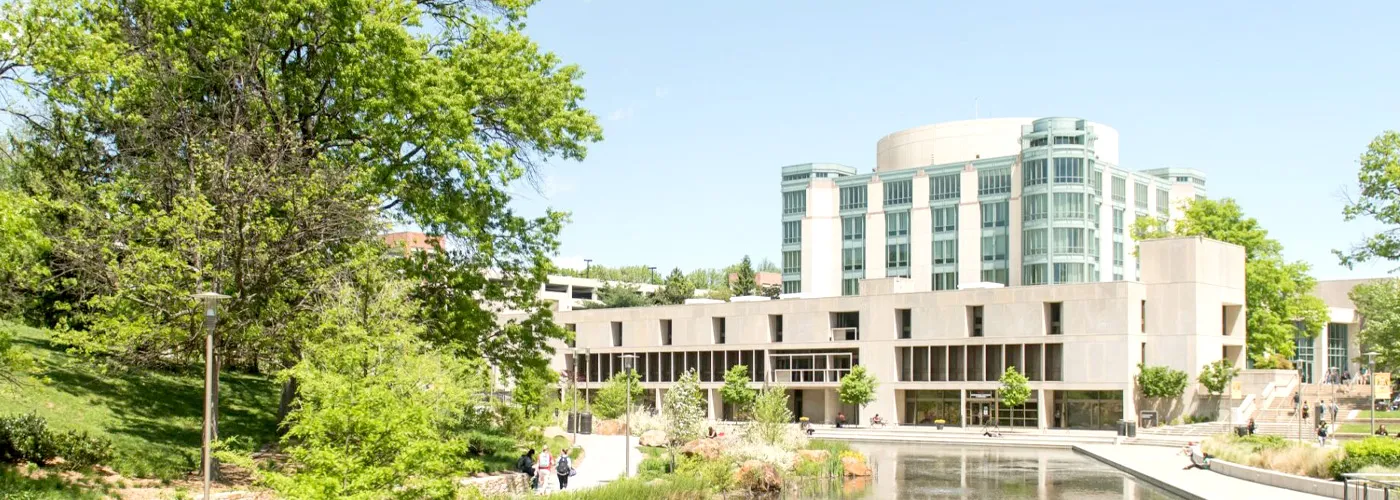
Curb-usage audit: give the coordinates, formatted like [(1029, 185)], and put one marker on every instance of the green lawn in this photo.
[(152, 418)]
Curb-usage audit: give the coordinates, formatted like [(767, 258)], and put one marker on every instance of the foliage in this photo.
[(736, 390), (676, 289), (745, 283), (1274, 361), (23, 271), (625, 274), (18, 486), (771, 415), (671, 487), (1161, 381), (1379, 303), (1015, 389), (857, 387), (27, 437), (1278, 293), (1371, 451), (611, 400), (1217, 375), (721, 293), (709, 279), (1273, 453), (14, 361), (683, 407), (1378, 176), (613, 295), (379, 409), (717, 473)]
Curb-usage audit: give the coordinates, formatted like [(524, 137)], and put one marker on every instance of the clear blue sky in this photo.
[(702, 102)]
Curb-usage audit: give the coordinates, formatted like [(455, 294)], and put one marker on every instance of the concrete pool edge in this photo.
[(1141, 476)]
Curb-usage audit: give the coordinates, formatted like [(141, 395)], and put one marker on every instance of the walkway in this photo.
[(1163, 467), (603, 460)]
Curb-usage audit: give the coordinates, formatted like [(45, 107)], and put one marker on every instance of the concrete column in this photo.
[(711, 407), (831, 405), (1320, 356), (1043, 410), (962, 410)]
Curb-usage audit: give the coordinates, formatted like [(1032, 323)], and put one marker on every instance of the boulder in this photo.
[(610, 428), (854, 466), (757, 476), (814, 455), (709, 449), (654, 437)]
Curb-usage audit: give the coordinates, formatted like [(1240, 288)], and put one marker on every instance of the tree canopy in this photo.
[(1015, 389), (1217, 375), (745, 282), (675, 290), (736, 390), (857, 387), (1161, 381), (1379, 179), (1278, 293), (1378, 303)]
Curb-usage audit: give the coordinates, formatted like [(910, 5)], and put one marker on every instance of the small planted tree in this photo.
[(611, 401), (683, 409), (1158, 382), (1014, 388), (1216, 376), (736, 391), (771, 415), (858, 387)]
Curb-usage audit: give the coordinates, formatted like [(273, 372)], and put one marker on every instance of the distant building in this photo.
[(411, 241)]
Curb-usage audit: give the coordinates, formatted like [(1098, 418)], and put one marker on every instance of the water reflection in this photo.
[(943, 471)]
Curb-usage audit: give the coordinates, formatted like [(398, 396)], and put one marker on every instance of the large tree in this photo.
[(1278, 293), (676, 289), (243, 147), (1378, 303), (1379, 177), (745, 283)]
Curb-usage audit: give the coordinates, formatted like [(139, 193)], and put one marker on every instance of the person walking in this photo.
[(548, 483), (1305, 410), (564, 468), (1322, 434), (1334, 410), (1320, 413)]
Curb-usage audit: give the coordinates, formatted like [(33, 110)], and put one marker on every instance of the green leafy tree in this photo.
[(771, 415), (1014, 388), (771, 291), (676, 289), (1216, 376), (626, 274), (719, 294), (1278, 293), (23, 271), (1378, 303), (187, 146), (1160, 382), (683, 409), (745, 283), (611, 401), (14, 361), (857, 387), (614, 295), (767, 266), (1379, 179), (709, 279), (737, 392)]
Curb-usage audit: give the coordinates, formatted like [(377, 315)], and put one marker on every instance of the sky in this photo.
[(701, 103)]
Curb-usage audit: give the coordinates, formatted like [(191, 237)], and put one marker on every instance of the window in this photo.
[(1163, 201), (617, 334), (1054, 365), (974, 314), (1034, 172), (1069, 240), (1117, 253), (845, 325), (852, 197), (1035, 143), (1033, 274), (665, 332), (717, 328), (1069, 273), (994, 181), (1098, 178), (897, 224), (792, 286), (902, 320), (1117, 221), (820, 175), (899, 192), (850, 286), (853, 259), (945, 219), (1069, 206), (1337, 346), (945, 251), (1052, 318), (994, 247), (792, 232), (945, 281), (1069, 170), (1183, 179), (897, 255), (1117, 276), (853, 228), (795, 177), (1034, 207), (792, 262), (1143, 309), (794, 202), (994, 214), (1063, 139), (944, 187), (996, 276), (775, 327), (1094, 212), (1140, 192), (1034, 242), (1120, 189)]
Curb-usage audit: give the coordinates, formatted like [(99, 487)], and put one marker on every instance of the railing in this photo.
[(809, 375), (1363, 486), (844, 334)]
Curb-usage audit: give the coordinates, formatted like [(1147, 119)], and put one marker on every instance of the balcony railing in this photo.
[(844, 334), (809, 375)]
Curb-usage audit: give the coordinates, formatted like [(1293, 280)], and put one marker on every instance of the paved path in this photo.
[(1163, 467), (603, 460)]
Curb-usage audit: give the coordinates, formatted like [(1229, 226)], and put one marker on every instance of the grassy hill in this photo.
[(152, 417)]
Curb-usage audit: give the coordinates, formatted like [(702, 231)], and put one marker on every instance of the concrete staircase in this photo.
[(1288, 430), (967, 436)]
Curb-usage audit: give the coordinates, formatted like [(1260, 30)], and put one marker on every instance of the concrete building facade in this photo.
[(1016, 201), (1335, 349), (937, 355)]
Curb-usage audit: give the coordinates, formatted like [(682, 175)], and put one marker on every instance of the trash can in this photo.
[(1122, 428), (570, 421), (585, 421), (1132, 428), (1241, 430)]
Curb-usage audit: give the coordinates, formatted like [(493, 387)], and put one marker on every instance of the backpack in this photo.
[(524, 464), (563, 468)]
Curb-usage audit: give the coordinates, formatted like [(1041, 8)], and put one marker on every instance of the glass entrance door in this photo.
[(980, 412)]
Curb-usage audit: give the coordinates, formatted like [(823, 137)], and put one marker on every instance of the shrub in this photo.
[(774, 455), (654, 467), (80, 450), (833, 447), (670, 488), (26, 437), (717, 473), (1372, 451), (1273, 453)]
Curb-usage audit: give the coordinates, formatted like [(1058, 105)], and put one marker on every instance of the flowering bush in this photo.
[(777, 456), (645, 419)]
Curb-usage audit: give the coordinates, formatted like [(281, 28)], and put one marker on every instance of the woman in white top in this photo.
[(545, 469)]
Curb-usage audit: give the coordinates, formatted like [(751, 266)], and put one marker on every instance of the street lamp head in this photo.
[(209, 296), (1372, 354), (628, 360)]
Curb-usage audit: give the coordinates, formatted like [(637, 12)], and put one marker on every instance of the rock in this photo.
[(709, 449), (814, 455), (104, 470), (653, 437), (855, 467), (757, 476), (55, 461), (610, 428)]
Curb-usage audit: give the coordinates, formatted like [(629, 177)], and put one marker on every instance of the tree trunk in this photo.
[(289, 394)]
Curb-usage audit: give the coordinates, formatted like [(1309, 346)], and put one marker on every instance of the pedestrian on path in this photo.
[(548, 482), (1305, 410), (1320, 413), (564, 468), (1335, 409)]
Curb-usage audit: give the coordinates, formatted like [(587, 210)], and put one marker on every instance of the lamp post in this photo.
[(588, 268), (1298, 404), (1371, 382), (653, 273), (210, 301), (573, 394), (627, 362)]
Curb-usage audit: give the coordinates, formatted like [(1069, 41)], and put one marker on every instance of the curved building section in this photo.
[(969, 140)]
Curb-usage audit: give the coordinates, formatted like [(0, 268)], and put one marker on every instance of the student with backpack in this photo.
[(564, 468), (526, 465)]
